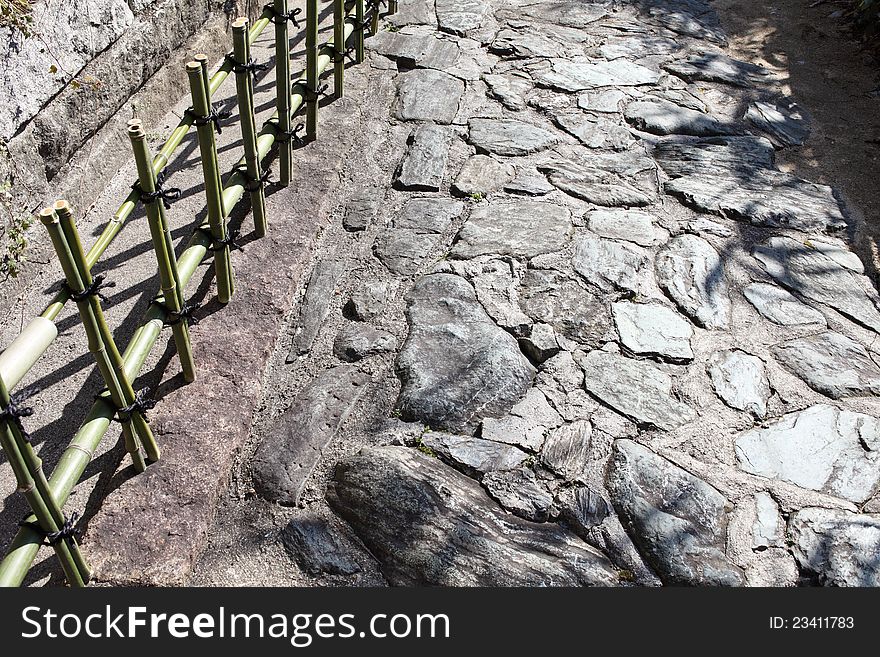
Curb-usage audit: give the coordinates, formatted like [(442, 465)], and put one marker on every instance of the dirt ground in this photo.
[(831, 75)]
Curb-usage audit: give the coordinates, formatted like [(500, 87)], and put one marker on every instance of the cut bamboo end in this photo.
[(48, 216), (193, 67), (136, 131), (240, 23), (62, 208)]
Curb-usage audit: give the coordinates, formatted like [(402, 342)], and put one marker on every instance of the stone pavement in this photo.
[(584, 332)]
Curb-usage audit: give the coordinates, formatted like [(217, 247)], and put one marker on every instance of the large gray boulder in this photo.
[(456, 366), (427, 524), (838, 547)]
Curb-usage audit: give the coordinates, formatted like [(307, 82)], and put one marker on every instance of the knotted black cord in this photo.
[(167, 195), (251, 66), (290, 135), (229, 240), (68, 530), (253, 184), (15, 410), (142, 403), (277, 17), (93, 289), (214, 116), (177, 316)]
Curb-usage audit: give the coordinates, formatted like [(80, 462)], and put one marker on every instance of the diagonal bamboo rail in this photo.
[(76, 457)]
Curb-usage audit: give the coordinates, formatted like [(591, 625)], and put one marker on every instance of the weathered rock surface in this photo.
[(473, 456), (415, 233), (784, 122), (582, 508), (740, 380), (525, 44), (579, 75), (427, 95), (406, 507), (316, 549), (832, 364), (595, 132), (678, 521), (367, 301), (510, 90), (422, 50), (424, 164), (838, 547), (661, 117), (482, 174), (780, 306), (715, 67), (566, 450), (357, 341), (519, 492), (456, 366), (515, 227), (508, 137), (821, 448), (294, 442), (608, 264), (460, 17), (316, 305), (529, 184), (360, 211), (630, 225), (767, 531), (606, 101), (815, 276), (526, 426), (539, 343), (719, 156), (650, 329), (636, 389), (690, 271)]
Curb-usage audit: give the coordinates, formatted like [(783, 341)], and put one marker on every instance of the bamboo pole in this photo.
[(87, 312), (172, 295), (339, 45), (374, 17), (359, 30), (78, 454), (312, 72), (28, 470), (282, 90), (245, 93), (392, 6), (216, 211)]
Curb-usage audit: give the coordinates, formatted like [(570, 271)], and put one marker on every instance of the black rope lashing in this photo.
[(93, 289), (340, 55), (15, 410), (253, 184), (278, 18), (166, 195), (142, 403), (251, 66), (229, 240), (68, 530), (290, 135), (177, 316), (214, 116), (310, 95)]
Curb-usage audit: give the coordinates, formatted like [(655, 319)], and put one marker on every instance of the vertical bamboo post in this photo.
[(282, 89), (138, 419), (312, 68), (359, 11), (392, 6), (28, 470), (245, 92), (172, 295), (374, 17), (213, 189), (50, 220), (338, 46)]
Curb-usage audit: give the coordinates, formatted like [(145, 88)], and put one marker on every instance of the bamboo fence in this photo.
[(46, 496)]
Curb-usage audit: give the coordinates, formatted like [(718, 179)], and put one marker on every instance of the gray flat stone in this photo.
[(678, 522), (424, 164), (649, 329), (609, 265), (405, 507), (460, 17), (661, 117), (360, 211), (838, 547), (567, 13), (540, 343), (715, 67), (690, 271), (415, 233), (473, 456), (702, 226), (582, 508), (606, 101), (817, 277), (821, 448), (517, 227), (595, 132), (482, 174), (510, 89), (495, 282), (424, 94), (608, 179), (719, 156), (456, 366), (294, 442), (367, 301), (581, 75), (693, 18), (764, 198), (832, 364), (529, 184), (780, 306), (316, 305), (525, 44), (637, 46), (429, 214), (784, 122), (527, 424), (316, 549), (767, 531), (566, 450), (740, 380), (413, 13), (574, 312), (358, 341), (422, 50), (519, 492), (630, 225), (637, 389), (508, 137)]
